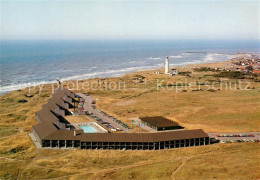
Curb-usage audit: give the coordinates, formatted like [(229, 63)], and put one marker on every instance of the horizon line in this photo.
[(117, 39)]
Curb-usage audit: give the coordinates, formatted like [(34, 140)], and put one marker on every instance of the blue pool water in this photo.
[(88, 129)]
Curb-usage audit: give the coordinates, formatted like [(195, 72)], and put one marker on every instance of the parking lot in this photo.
[(236, 136), (98, 115)]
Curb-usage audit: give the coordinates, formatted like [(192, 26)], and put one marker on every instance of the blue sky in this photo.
[(130, 19)]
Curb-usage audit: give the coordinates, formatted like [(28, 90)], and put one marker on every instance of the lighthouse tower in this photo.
[(166, 65)]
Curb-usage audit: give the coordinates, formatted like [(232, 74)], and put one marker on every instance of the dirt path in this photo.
[(10, 159), (32, 162), (183, 162), (100, 174), (185, 159)]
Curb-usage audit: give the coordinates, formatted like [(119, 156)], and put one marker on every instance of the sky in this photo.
[(201, 19)]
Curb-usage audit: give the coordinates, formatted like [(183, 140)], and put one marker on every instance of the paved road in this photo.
[(87, 106), (256, 136)]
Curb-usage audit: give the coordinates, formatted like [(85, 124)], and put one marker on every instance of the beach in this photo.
[(30, 63)]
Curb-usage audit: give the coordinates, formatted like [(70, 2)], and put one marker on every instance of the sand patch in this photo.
[(78, 119)]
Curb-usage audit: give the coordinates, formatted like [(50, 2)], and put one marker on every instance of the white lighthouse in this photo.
[(166, 65)]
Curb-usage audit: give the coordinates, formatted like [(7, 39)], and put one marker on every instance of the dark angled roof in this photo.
[(64, 135), (58, 101), (63, 97), (65, 91), (127, 137), (60, 94), (159, 121), (50, 106), (44, 129), (46, 115)]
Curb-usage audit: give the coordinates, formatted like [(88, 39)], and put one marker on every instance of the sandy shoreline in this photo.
[(221, 65)]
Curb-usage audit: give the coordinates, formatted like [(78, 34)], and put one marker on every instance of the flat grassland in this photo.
[(224, 110)]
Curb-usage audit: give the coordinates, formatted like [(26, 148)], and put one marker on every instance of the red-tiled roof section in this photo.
[(159, 121), (127, 137)]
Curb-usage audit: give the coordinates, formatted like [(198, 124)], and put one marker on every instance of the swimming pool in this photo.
[(88, 129)]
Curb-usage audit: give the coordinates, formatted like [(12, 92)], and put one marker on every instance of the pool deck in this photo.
[(76, 119), (87, 106), (95, 125)]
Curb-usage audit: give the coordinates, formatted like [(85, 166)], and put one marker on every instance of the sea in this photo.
[(26, 63)]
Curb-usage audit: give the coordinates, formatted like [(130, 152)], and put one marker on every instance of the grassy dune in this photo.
[(220, 111)]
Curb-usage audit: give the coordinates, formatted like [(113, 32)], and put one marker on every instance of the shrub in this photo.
[(15, 150), (231, 74), (22, 101), (203, 69), (211, 90)]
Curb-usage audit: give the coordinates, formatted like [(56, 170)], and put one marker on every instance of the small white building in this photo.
[(174, 72)]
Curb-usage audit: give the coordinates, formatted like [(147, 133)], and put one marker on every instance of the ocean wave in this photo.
[(218, 57), (94, 72), (195, 52), (187, 63), (16, 86), (110, 73), (94, 67), (209, 57), (231, 56), (178, 56)]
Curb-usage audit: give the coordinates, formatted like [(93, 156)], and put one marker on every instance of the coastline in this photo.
[(189, 66)]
